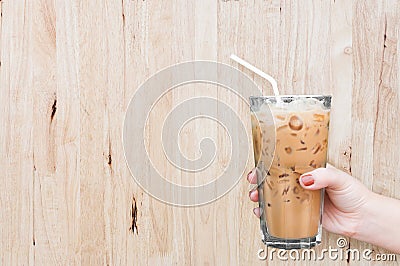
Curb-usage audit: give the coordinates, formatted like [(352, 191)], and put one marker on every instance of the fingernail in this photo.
[(254, 211), (248, 175), (307, 180), (250, 193)]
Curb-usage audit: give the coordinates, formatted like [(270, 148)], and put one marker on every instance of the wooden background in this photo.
[(69, 68)]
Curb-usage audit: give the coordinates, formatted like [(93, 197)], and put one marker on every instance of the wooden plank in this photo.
[(16, 156), (205, 217), (227, 231), (92, 80), (49, 207), (135, 72), (367, 48), (117, 201), (339, 153), (159, 33), (67, 119), (386, 128)]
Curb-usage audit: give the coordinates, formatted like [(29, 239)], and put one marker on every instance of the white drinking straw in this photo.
[(258, 72)]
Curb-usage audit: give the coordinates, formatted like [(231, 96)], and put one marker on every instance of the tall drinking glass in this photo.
[(290, 137)]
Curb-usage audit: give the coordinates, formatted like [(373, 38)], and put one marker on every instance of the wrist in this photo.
[(381, 216), (367, 213)]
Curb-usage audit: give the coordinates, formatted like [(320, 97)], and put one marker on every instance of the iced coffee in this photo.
[(288, 142)]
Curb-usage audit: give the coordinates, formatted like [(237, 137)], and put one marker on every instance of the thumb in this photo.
[(330, 177)]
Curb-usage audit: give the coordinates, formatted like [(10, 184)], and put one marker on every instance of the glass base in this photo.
[(287, 244)]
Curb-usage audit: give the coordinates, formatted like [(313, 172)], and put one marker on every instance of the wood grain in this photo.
[(69, 68), (17, 245)]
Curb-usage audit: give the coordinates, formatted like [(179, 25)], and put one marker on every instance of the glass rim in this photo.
[(291, 96), (257, 101)]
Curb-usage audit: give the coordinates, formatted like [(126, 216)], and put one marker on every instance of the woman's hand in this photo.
[(350, 209)]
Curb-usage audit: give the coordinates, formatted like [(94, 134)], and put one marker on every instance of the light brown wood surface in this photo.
[(69, 68)]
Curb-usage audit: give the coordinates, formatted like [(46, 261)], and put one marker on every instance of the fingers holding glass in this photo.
[(252, 177)]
